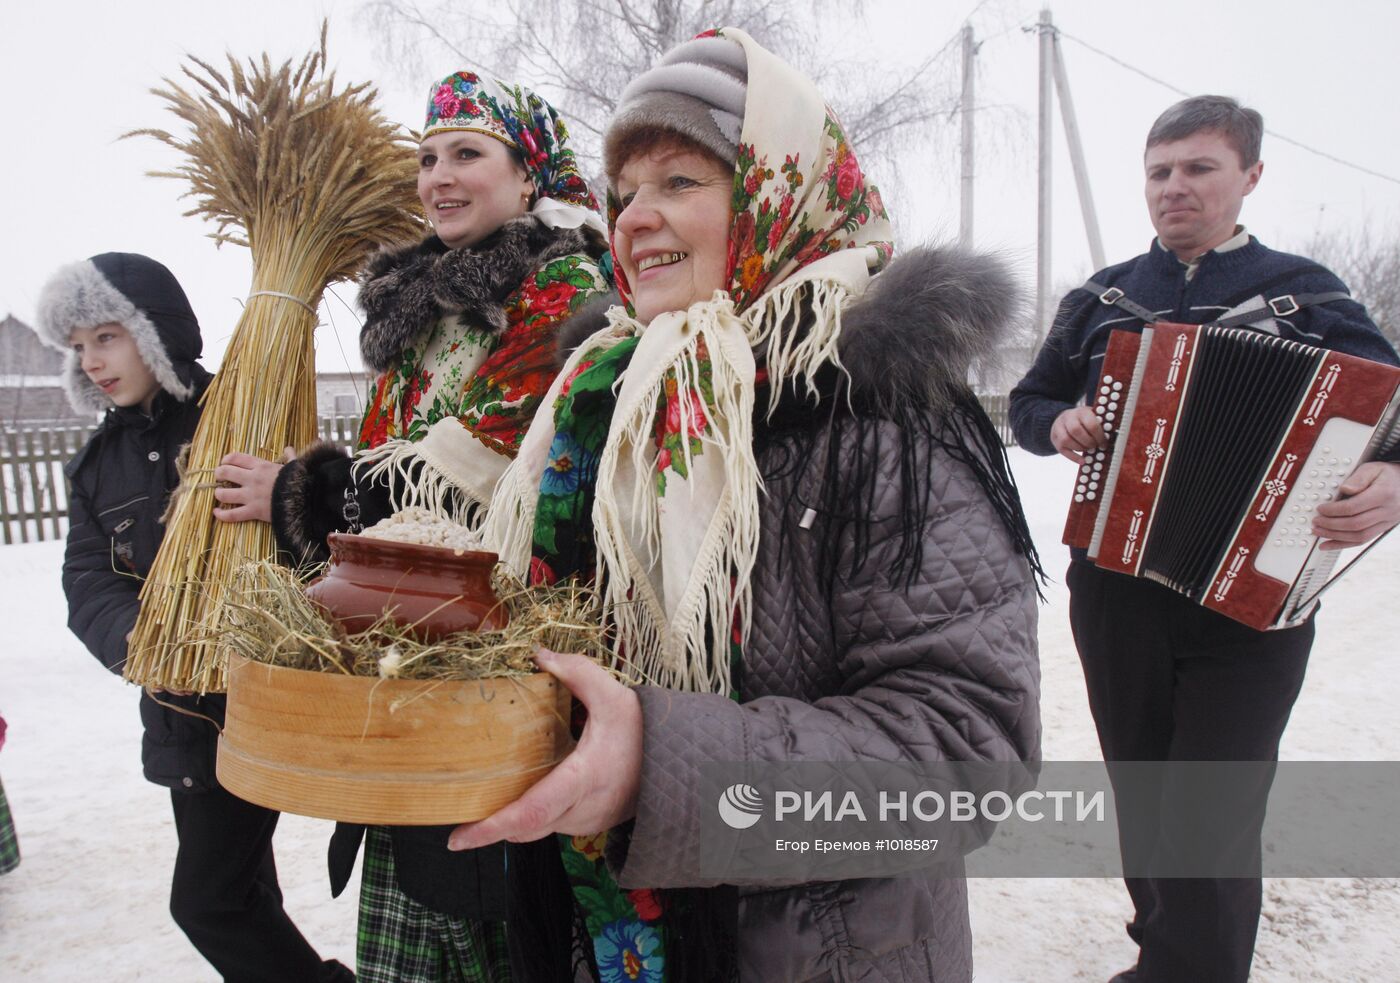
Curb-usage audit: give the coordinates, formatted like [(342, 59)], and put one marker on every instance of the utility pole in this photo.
[(969, 55), (1076, 157), (1042, 257)]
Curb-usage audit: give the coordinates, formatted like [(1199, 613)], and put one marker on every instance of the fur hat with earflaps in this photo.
[(139, 294)]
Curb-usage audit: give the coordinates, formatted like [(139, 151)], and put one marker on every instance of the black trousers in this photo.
[(224, 893), (1169, 680)]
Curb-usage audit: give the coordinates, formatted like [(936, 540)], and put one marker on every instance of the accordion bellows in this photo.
[(1222, 443)]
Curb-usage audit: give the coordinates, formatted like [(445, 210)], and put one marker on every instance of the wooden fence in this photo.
[(996, 407), (34, 492)]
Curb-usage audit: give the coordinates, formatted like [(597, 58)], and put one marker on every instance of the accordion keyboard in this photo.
[(1340, 444)]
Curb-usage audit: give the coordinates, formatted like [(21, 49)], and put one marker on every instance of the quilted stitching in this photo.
[(946, 669)]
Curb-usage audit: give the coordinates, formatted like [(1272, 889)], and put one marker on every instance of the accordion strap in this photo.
[(1338, 575), (1114, 297), (1280, 306)]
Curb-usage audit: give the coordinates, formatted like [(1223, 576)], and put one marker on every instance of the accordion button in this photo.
[(1107, 427), (1091, 496), (1109, 378), (1118, 387), (1079, 498), (1109, 415)]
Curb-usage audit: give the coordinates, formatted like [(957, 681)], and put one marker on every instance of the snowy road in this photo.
[(88, 901)]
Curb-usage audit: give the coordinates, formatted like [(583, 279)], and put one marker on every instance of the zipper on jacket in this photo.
[(124, 505)]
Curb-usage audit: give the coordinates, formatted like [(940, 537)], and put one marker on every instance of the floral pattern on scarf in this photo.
[(774, 235), (492, 382), (784, 220), (680, 429), (625, 925), (518, 118)]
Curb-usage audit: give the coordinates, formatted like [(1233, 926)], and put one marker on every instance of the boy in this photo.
[(133, 346)]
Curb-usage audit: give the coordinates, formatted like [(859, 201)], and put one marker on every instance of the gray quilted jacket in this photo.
[(858, 667)]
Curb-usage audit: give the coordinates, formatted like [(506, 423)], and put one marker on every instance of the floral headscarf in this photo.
[(817, 201), (675, 518), (518, 118)]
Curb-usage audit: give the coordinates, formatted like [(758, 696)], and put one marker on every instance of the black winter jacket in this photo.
[(121, 482)]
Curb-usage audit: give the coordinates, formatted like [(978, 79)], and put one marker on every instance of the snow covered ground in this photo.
[(88, 901)]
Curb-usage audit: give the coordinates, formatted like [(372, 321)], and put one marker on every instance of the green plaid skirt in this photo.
[(9, 844), (400, 941)]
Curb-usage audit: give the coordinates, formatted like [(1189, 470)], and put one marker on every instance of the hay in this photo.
[(270, 620), (311, 179)]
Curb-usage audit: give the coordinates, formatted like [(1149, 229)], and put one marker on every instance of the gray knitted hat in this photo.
[(697, 89)]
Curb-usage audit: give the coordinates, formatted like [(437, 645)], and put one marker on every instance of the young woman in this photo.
[(461, 329), (133, 346)]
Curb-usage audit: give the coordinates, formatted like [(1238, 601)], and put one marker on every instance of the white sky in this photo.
[(74, 76)]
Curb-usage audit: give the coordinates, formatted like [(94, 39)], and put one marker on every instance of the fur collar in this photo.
[(914, 334), (406, 290), (923, 323)]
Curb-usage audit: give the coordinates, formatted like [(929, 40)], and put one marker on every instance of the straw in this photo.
[(271, 620), (311, 179)]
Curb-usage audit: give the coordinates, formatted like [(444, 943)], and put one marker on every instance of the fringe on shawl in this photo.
[(687, 650), (792, 353), (413, 483), (800, 326)]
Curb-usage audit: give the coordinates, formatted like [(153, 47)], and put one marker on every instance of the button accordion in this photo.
[(1221, 444)]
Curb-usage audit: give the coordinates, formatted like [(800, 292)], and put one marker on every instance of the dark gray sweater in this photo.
[(1068, 364)]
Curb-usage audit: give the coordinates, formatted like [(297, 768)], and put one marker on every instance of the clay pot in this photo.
[(431, 590)]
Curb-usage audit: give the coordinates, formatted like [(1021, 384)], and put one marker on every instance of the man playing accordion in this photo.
[(1168, 679)]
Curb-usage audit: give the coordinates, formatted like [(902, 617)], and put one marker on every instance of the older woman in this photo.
[(461, 330), (802, 524)]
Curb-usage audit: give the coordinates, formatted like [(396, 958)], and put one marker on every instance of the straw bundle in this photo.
[(311, 179)]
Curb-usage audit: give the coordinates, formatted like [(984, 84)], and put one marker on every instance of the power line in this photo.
[(1182, 92)]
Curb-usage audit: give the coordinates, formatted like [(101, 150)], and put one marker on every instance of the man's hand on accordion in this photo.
[(1369, 505), (1076, 431)]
